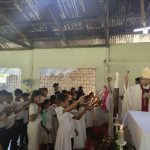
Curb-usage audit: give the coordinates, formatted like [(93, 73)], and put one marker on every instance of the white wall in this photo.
[(71, 58), (17, 59), (131, 57), (123, 57)]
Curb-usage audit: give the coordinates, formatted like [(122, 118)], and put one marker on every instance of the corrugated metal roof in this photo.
[(27, 21)]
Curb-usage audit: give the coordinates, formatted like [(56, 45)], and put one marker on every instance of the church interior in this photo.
[(74, 74)]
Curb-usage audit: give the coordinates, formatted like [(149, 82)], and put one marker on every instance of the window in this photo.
[(10, 79), (68, 78)]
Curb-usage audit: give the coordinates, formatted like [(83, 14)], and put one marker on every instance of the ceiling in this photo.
[(29, 24)]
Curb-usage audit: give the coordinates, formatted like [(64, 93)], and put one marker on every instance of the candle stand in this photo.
[(121, 144)]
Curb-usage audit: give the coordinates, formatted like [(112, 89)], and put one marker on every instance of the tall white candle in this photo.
[(116, 85)]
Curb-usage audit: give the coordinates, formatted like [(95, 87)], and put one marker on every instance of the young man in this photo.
[(19, 112), (10, 120), (25, 97), (137, 97)]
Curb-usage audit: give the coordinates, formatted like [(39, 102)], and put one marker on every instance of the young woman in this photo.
[(63, 139), (44, 92), (34, 121)]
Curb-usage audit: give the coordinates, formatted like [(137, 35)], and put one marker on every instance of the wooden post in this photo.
[(116, 100)]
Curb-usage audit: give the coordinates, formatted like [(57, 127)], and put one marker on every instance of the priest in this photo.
[(137, 97)]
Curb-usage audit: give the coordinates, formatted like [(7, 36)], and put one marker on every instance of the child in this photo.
[(18, 103), (34, 120), (44, 92), (10, 121), (55, 119), (25, 97), (80, 139), (47, 139), (63, 139)]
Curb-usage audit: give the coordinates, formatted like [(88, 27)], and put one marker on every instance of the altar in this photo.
[(139, 126)]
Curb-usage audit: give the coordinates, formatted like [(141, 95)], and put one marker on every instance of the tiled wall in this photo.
[(85, 77), (12, 82)]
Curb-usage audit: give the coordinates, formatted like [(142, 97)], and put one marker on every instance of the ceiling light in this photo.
[(144, 30)]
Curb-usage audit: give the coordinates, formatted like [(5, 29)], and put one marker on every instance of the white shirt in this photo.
[(65, 120), (33, 110), (18, 105), (49, 116), (3, 116), (11, 117)]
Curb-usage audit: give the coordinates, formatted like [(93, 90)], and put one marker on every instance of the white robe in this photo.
[(89, 119), (132, 99), (63, 139), (33, 128), (79, 141)]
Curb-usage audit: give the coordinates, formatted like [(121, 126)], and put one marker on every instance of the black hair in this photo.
[(91, 93), (62, 97), (3, 92), (35, 93), (9, 94), (25, 94), (52, 98), (18, 91), (46, 101), (80, 87), (64, 92), (73, 89), (55, 84), (137, 80)]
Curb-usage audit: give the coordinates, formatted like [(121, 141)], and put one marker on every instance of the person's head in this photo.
[(145, 77), (9, 97), (63, 100), (53, 99), (18, 93), (44, 92), (35, 97), (65, 92), (137, 80), (80, 88), (91, 95), (73, 90), (3, 94), (55, 86), (25, 96), (47, 103)]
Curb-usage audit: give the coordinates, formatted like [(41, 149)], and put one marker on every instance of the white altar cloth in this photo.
[(139, 126)]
